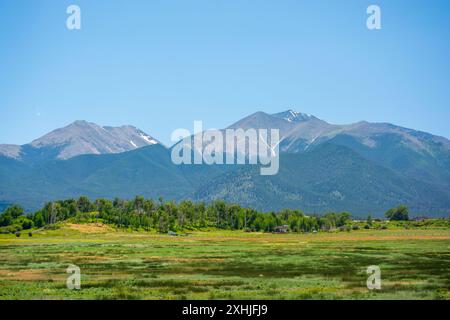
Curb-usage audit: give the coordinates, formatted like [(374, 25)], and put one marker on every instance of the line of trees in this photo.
[(148, 214)]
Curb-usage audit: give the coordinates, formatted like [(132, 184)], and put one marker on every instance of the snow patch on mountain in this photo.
[(147, 138), (294, 116)]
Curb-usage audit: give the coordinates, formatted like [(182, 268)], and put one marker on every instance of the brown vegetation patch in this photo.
[(90, 227), (26, 274)]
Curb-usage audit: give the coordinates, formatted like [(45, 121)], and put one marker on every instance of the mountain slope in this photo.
[(327, 178), (148, 171)]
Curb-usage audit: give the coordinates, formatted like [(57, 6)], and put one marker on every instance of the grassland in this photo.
[(118, 264)]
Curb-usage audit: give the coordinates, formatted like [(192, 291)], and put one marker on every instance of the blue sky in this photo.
[(160, 65)]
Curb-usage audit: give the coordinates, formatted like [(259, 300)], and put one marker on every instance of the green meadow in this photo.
[(218, 264)]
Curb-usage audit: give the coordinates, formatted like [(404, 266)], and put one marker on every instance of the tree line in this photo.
[(164, 216)]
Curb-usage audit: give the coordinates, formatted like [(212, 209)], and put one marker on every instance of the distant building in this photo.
[(282, 229)]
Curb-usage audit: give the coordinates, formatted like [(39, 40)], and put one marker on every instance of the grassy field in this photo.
[(415, 264)]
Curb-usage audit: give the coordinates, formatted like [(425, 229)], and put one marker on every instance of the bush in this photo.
[(18, 234), (399, 213), (30, 234), (10, 229), (355, 227), (366, 226), (4, 231), (24, 222)]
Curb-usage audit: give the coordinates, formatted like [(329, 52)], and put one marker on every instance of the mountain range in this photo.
[(362, 168)]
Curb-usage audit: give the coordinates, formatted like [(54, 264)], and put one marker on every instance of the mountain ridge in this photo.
[(81, 137)]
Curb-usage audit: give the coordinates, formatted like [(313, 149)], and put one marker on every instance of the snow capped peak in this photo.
[(293, 116), (293, 113)]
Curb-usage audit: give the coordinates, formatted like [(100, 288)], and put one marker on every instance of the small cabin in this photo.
[(281, 229)]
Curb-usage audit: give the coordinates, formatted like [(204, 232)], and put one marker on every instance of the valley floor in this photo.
[(115, 264)]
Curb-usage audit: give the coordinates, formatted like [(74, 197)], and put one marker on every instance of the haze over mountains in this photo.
[(362, 168)]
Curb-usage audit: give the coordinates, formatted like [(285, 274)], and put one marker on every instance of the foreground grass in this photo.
[(415, 264)]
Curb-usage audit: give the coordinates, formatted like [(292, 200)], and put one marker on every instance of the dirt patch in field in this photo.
[(26, 275), (92, 258), (90, 227)]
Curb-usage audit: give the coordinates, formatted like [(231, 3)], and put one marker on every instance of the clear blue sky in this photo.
[(160, 65)]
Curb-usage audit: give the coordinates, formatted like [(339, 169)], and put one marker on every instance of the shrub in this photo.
[(18, 234), (24, 222), (355, 227), (10, 229), (366, 226), (399, 213)]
